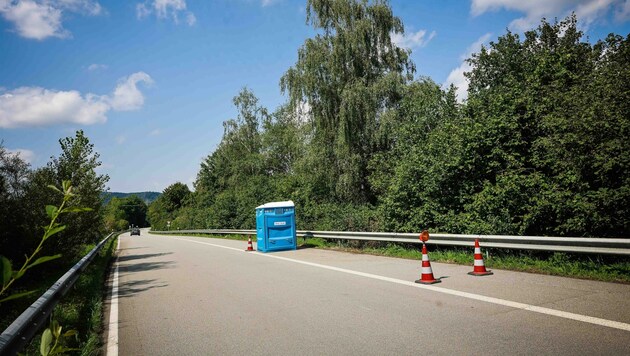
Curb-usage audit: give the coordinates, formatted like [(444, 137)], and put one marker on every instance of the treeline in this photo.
[(122, 213), (25, 193), (147, 197), (540, 147)]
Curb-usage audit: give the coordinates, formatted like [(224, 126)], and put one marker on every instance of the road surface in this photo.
[(200, 296)]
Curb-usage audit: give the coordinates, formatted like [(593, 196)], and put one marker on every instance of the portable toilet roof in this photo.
[(277, 204)]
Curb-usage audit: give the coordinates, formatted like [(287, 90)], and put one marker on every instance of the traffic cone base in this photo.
[(433, 281), (479, 269)]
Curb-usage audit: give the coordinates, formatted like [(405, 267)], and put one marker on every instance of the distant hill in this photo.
[(147, 197)]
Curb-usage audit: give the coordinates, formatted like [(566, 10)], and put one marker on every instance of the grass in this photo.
[(593, 267), (80, 309)]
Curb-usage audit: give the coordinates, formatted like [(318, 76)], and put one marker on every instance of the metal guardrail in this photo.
[(589, 245), (22, 330)]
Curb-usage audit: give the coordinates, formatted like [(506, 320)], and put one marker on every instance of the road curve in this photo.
[(202, 296)]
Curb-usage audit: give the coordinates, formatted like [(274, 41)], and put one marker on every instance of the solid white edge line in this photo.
[(112, 333), (483, 298)]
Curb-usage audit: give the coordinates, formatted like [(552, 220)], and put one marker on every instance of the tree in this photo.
[(120, 213), (417, 178), (349, 76), (77, 164), (135, 211), (174, 196), (14, 181), (548, 146)]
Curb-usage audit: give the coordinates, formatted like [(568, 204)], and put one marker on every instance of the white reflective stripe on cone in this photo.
[(478, 262), (426, 270), (425, 257), (477, 249)]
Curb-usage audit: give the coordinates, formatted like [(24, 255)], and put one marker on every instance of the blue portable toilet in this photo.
[(275, 226)]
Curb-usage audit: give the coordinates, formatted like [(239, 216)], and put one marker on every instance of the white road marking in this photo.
[(112, 339), (483, 298)]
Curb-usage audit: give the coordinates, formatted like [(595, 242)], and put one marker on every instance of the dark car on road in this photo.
[(135, 231)]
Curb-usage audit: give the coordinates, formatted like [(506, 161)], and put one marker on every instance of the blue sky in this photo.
[(151, 82)]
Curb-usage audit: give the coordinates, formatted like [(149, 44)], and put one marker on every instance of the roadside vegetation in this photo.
[(41, 237), (81, 309), (541, 145)]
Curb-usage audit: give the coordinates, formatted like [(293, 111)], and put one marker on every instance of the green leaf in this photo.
[(51, 210), (66, 184), (70, 333), (44, 346), (17, 295), (56, 329), (76, 210), (18, 274), (54, 188), (5, 266), (53, 231), (42, 260)]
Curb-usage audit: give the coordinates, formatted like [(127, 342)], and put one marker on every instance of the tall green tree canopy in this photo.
[(78, 163), (349, 75), (548, 146)]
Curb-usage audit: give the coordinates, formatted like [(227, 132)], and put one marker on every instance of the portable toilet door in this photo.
[(275, 226)]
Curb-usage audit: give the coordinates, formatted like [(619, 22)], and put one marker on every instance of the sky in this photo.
[(151, 82)]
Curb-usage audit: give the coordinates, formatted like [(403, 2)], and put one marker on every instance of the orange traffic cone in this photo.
[(427, 272), (250, 247), (479, 268)]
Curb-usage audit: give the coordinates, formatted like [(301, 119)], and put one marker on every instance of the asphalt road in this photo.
[(200, 296)]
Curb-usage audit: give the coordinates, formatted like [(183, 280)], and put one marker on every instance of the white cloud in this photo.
[(164, 9), (266, 3), (127, 96), (413, 40), (155, 132), (456, 76), (96, 66), (35, 106), (622, 13), (40, 19), (142, 11), (26, 155), (81, 6), (191, 20), (588, 11)]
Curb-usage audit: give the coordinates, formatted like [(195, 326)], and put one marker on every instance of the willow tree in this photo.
[(349, 76)]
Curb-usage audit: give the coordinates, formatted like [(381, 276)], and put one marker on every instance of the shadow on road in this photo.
[(129, 289), (135, 263), (144, 266), (138, 257), (132, 248)]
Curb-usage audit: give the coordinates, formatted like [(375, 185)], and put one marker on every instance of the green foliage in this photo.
[(349, 76), (77, 163), (9, 276), (165, 208), (175, 196), (540, 147), (53, 341), (553, 131), (120, 213)]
